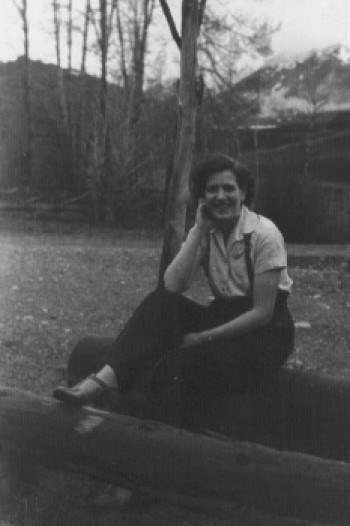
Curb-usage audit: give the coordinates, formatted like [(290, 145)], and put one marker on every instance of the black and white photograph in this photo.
[(175, 263)]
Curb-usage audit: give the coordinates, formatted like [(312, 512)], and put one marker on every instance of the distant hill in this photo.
[(317, 83), (52, 168), (281, 95)]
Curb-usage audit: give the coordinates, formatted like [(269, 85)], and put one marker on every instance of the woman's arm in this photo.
[(264, 294), (187, 261)]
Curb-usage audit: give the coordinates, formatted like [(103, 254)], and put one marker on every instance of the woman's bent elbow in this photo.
[(264, 317), (172, 285)]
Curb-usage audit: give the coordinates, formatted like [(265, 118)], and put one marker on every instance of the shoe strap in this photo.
[(100, 382)]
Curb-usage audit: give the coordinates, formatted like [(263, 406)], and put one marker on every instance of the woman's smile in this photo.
[(222, 208)]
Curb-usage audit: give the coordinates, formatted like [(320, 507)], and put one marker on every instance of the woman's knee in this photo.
[(162, 296)]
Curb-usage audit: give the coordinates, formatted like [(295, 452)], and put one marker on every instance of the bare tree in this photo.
[(224, 41), (85, 36), (194, 17), (60, 80), (100, 182), (103, 41), (129, 153), (27, 154), (140, 34), (102, 22), (313, 89), (70, 34), (133, 19), (69, 69)]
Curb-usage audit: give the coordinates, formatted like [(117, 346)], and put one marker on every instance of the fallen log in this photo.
[(297, 411), (133, 452)]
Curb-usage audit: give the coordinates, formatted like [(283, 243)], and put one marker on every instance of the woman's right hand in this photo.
[(203, 218)]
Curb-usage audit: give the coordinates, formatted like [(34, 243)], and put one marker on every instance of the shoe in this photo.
[(83, 393)]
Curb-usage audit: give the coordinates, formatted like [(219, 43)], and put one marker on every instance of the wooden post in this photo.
[(175, 212)]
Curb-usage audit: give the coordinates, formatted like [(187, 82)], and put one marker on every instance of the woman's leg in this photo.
[(249, 361), (157, 325), (236, 364)]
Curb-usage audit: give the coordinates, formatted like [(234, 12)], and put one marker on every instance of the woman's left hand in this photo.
[(194, 338)]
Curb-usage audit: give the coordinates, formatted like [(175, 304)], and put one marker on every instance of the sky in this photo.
[(305, 25), (308, 24)]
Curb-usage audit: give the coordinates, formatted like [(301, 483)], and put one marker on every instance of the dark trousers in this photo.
[(146, 355)]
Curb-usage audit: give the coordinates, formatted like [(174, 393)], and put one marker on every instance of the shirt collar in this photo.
[(247, 223)]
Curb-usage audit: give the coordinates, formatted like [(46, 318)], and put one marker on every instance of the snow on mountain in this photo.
[(338, 51), (318, 81)]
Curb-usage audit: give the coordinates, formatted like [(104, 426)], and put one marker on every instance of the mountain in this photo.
[(318, 82)]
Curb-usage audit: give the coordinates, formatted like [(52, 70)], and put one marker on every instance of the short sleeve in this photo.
[(270, 251)]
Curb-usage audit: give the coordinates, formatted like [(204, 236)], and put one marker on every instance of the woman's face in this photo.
[(224, 197)]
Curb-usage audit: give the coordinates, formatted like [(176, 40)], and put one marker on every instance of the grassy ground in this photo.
[(57, 287)]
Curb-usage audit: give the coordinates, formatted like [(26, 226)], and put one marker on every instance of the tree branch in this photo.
[(110, 19), (148, 8), (93, 20), (169, 18), (18, 7), (85, 36), (214, 68)]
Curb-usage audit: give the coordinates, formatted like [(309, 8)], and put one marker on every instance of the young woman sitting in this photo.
[(242, 337)]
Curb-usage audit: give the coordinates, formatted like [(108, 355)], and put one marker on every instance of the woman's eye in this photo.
[(228, 189)]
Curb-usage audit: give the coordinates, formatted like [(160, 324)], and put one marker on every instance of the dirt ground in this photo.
[(56, 287)]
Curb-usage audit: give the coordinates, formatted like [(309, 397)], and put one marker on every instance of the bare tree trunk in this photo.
[(27, 154), (133, 19), (104, 38), (69, 77), (60, 80), (81, 134), (85, 36), (133, 73), (105, 31), (175, 212), (27, 104), (139, 52), (103, 47), (69, 35), (123, 67)]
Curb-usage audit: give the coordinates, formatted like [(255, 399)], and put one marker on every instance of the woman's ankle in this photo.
[(107, 375)]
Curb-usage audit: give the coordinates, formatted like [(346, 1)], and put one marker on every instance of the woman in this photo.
[(242, 337)]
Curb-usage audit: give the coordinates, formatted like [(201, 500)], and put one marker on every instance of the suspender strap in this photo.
[(207, 255), (248, 260)]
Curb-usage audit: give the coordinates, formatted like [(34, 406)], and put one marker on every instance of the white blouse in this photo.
[(225, 264)]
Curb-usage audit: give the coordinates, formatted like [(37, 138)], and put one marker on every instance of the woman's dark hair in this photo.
[(218, 162)]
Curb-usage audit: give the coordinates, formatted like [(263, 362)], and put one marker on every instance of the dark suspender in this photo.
[(248, 260)]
